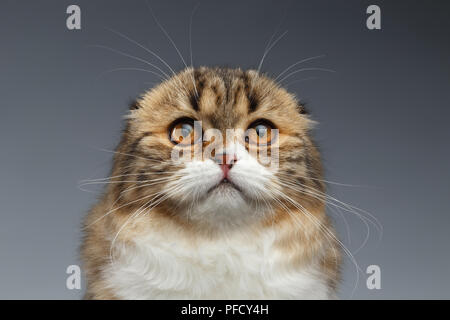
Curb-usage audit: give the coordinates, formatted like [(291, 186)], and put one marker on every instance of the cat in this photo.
[(222, 225)]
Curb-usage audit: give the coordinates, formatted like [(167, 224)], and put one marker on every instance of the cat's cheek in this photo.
[(251, 178)]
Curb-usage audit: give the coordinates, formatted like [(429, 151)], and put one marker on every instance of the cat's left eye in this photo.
[(261, 133), (182, 132)]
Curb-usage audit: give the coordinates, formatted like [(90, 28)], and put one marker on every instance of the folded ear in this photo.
[(302, 108), (134, 104)]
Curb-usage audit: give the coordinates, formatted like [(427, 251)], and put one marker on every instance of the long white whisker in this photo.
[(129, 69), (354, 209), (152, 183), (266, 52), (166, 34), (345, 207), (323, 197), (120, 207), (121, 181), (190, 45), (119, 176), (349, 254), (297, 63), (305, 69), (314, 221), (131, 155), (300, 80), (130, 56), (143, 47), (326, 181), (135, 214)]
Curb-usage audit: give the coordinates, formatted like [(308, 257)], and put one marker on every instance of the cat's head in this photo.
[(219, 148)]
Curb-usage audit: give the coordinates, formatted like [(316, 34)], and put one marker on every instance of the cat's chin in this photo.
[(224, 205), (224, 197), (225, 188)]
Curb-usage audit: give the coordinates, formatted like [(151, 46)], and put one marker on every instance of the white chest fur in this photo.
[(238, 267)]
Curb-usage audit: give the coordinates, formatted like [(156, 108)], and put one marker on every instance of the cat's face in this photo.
[(218, 147)]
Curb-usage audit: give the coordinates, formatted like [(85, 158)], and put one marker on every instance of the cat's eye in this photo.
[(261, 133), (182, 132)]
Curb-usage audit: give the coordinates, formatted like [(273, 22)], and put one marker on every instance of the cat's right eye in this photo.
[(182, 132), (261, 133)]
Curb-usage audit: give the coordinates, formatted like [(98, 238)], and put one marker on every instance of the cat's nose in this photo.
[(226, 162)]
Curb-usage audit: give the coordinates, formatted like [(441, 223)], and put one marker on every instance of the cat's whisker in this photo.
[(145, 48), (166, 194), (133, 155), (344, 219), (119, 176), (112, 182), (301, 80), (166, 33), (266, 52), (132, 216), (314, 221), (120, 181), (85, 190), (131, 174), (140, 186), (298, 187), (190, 44), (361, 217), (269, 43), (346, 206), (323, 197), (305, 69), (297, 63), (323, 180), (122, 194), (129, 69), (172, 42), (357, 210), (267, 205), (164, 75), (344, 248), (263, 196), (122, 206), (154, 163), (268, 47), (151, 184)]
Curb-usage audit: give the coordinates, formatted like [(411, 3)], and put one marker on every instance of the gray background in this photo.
[(383, 121)]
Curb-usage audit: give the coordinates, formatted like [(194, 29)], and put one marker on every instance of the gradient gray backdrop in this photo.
[(383, 121)]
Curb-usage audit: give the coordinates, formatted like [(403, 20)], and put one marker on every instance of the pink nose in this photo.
[(226, 162), (225, 169)]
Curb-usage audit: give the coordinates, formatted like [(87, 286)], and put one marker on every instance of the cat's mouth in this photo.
[(224, 185)]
